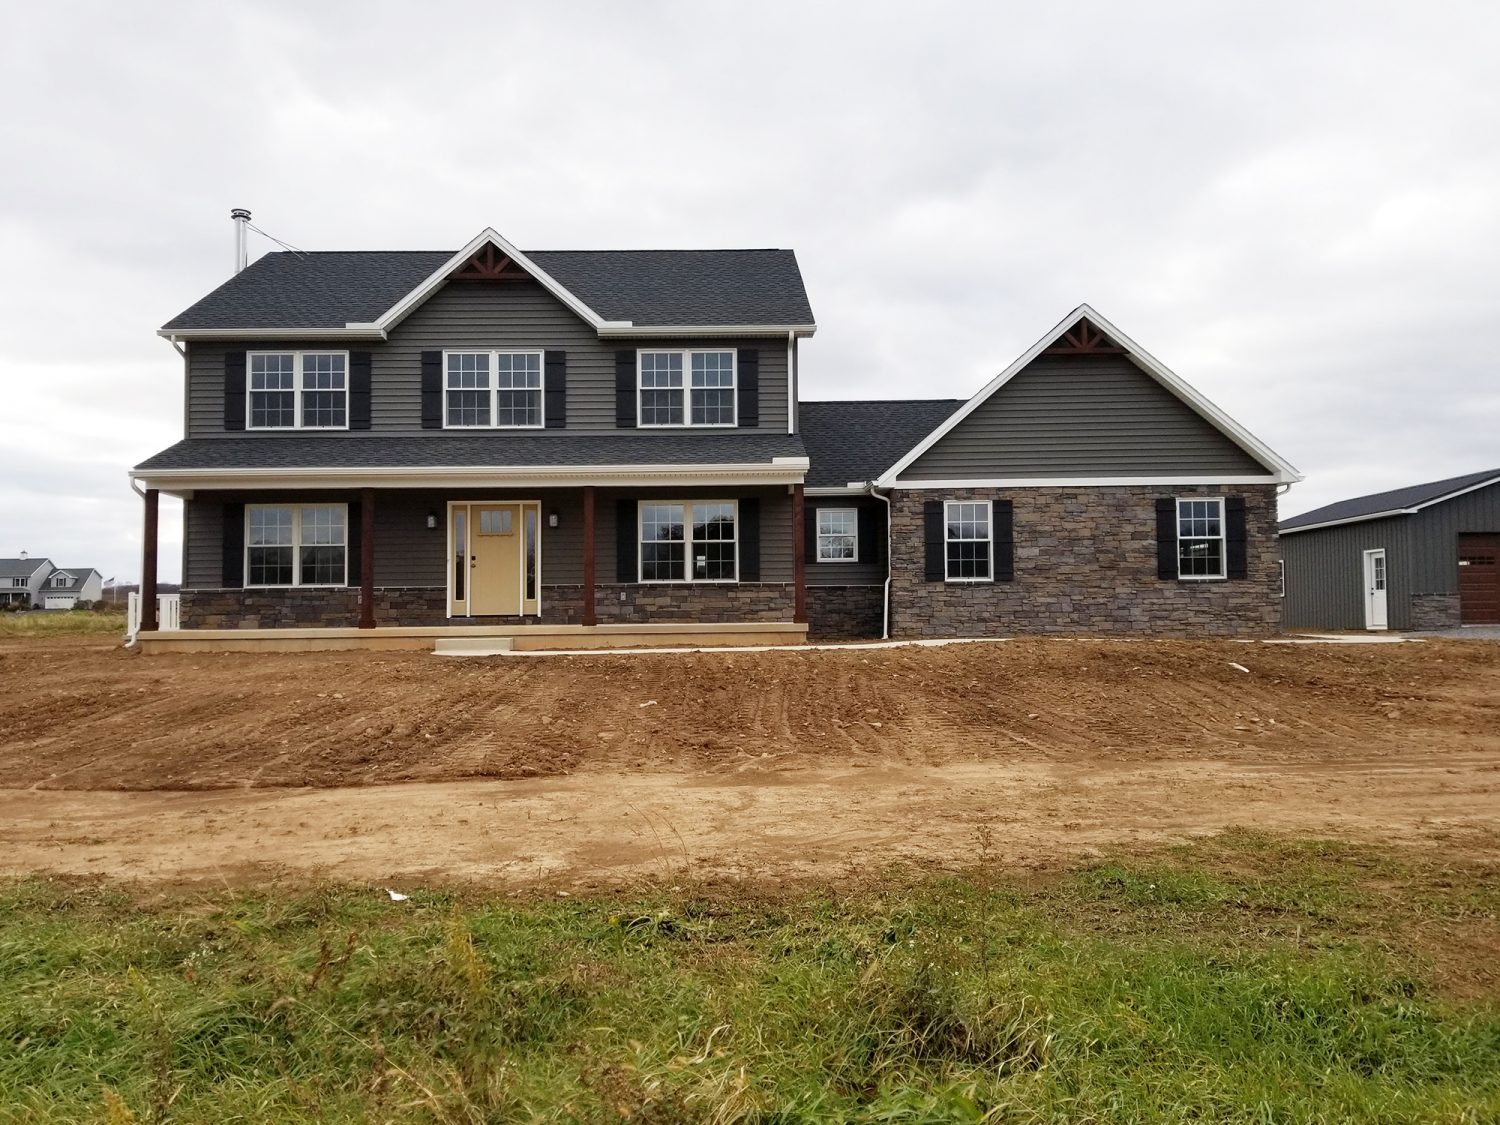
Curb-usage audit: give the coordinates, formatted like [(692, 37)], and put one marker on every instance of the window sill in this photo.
[(687, 425), (293, 429), (538, 426), (301, 586), (969, 581), (1203, 578), (688, 582), (836, 562)]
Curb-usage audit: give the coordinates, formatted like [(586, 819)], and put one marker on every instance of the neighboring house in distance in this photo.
[(21, 580), (592, 448), (64, 588), (1423, 557), (38, 584)]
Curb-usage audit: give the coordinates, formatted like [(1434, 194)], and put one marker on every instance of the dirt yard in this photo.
[(600, 768)]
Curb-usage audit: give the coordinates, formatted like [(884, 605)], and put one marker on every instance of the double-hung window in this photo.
[(689, 542), (298, 391), (296, 545), (1200, 538), (686, 388), (838, 535), (493, 390), (968, 541)]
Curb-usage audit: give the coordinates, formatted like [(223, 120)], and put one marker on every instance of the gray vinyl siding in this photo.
[(1324, 566), (1082, 416), (866, 571), (409, 553), (1325, 585), (478, 316)]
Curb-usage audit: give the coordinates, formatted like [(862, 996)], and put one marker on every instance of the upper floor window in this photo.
[(969, 545), (488, 390), (18, 582), (59, 580), (298, 391), (838, 535), (1200, 538), (686, 388)]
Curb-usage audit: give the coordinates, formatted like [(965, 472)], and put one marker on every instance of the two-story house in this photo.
[(591, 448), (27, 583)]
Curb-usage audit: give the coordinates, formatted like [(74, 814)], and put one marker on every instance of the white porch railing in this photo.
[(168, 614)]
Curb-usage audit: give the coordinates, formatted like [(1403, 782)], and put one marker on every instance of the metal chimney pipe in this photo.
[(241, 219)]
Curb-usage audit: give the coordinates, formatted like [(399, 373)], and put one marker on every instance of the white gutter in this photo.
[(885, 603), (791, 383)]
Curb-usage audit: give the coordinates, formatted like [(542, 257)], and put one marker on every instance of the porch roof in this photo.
[(410, 460)]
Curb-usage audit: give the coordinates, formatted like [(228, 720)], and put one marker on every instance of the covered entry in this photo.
[(494, 550), (1479, 579)]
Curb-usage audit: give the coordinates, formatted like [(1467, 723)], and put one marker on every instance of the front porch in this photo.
[(579, 568)]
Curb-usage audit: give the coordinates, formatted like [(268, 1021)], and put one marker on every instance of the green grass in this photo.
[(1240, 980), (63, 621)]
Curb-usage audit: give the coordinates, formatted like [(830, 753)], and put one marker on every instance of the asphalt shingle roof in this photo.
[(80, 576), (1361, 507), (449, 450), (20, 568), (328, 289), (857, 441)]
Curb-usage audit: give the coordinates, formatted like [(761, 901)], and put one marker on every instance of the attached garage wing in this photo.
[(59, 601)]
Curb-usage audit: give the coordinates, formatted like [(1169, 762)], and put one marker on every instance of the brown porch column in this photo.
[(799, 558), (367, 558), (589, 616), (148, 564)]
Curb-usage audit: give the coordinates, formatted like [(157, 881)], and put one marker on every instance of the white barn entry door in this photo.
[(1375, 607)]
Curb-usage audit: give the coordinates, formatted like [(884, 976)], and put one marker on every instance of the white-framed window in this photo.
[(1200, 537), (296, 544), (59, 580), (969, 546), (838, 535), (18, 582), (690, 541), (492, 390), (686, 388), (297, 391)]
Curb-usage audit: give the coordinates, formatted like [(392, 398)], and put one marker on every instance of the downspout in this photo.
[(885, 602), (791, 382)]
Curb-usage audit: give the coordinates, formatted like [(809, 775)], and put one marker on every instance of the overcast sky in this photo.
[(1293, 206)]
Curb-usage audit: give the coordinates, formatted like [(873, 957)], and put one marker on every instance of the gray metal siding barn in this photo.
[(1440, 567)]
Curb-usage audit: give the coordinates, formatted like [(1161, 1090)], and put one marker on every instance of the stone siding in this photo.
[(1435, 611), (844, 612), (1085, 562), (706, 602)]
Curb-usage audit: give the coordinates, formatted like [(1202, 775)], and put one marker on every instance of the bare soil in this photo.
[(605, 768)]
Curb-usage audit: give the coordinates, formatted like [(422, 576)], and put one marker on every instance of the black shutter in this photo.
[(871, 541), (359, 390), (556, 392), (749, 536), (432, 390), (749, 387), (625, 389), (353, 555), (234, 390), (1004, 515), (232, 564), (1234, 534), (1166, 538), (935, 539), (627, 567), (810, 534)]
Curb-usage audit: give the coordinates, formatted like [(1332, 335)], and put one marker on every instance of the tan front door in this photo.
[(495, 547)]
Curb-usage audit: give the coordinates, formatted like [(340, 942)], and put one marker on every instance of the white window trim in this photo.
[(297, 389), (1223, 576), (687, 544), (1281, 578), (818, 534), (687, 391), (297, 582), (495, 354), (990, 523)]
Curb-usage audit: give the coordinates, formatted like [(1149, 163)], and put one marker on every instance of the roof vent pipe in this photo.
[(25, 555), (241, 219)]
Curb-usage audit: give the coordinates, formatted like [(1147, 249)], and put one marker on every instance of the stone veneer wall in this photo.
[(845, 612), (1436, 611), (427, 605), (1085, 562)]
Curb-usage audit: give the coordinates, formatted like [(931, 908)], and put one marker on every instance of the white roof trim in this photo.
[(349, 332), (1389, 512), (1079, 482), (780, 470), (709, 330), (1284, 472), (489, 235)]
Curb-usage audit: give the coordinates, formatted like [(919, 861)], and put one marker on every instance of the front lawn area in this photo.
[(1242, 979), (63, 621)]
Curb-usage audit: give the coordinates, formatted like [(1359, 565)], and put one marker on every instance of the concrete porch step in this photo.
[(473, 646)]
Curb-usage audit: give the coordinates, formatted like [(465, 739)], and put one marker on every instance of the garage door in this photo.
[(59, 601), (1479, 579)]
